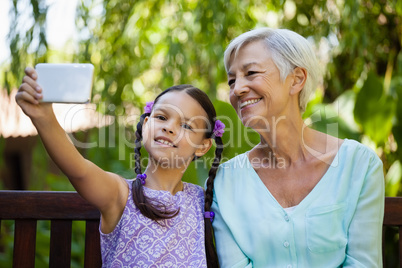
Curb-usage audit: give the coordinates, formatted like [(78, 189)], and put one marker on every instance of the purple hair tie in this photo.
[(148, 107), (142, 178), (219, 128), (209, 215)]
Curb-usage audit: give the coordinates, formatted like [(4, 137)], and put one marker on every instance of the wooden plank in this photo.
[(42, 205), (24, 244), (60, 244), (400, 247), (393, 211), (92, 245), (383, 247)]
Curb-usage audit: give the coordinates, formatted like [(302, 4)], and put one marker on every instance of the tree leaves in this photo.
[(374, 109), (142, 47)]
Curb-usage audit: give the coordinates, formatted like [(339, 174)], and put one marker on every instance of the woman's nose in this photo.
[(240, 87)]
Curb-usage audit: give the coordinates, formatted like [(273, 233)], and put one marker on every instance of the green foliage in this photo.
[(374, 109), (6, 242), (393, 179), (21, 43), (396, 90), (335, 118)]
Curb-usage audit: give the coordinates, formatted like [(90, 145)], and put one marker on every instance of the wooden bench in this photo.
[(393, 218), (61, 208)]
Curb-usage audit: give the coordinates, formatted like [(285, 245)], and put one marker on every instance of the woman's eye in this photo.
[(251, 72), (231, 81)]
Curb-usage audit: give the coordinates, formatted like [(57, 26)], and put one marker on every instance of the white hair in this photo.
[(288, 50)]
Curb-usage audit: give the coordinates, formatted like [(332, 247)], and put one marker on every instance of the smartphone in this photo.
[(66, 82)]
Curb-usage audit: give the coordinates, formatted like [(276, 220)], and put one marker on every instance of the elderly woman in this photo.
[(300, 198)]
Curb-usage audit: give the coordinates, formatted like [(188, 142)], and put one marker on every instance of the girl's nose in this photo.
[(167, 129)]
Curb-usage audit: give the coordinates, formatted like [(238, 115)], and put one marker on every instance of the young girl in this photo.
[(156, 219)]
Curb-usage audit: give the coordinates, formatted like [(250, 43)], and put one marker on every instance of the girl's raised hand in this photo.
[(29, 95)]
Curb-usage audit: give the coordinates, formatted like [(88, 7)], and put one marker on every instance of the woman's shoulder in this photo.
[(326, 147), (238, 161), (357, 150), (353, 156), (233, 172), (234, 167)]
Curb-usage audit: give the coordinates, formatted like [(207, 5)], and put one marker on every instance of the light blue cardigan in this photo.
[(338, 224)]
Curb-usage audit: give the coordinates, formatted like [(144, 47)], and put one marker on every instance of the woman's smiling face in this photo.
[(256, 90)]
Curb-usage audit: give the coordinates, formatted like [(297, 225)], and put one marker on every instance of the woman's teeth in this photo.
[(249, 102)]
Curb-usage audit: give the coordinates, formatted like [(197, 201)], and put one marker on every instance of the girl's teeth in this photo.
[(165, 142), (249, 102)]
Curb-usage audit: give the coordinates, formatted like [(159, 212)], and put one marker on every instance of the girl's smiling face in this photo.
[(175, 132)]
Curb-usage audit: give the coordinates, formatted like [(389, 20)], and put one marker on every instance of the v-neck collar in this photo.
[(312, 194)]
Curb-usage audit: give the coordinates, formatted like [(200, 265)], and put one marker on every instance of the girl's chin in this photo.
[(169, 161)]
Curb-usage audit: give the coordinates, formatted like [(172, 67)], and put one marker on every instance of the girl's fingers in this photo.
[(31, 73), (27, 88), (24, 96), (29, 91), (32, 83)]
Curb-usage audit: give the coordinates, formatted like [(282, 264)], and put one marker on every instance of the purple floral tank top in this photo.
[(138, 241)]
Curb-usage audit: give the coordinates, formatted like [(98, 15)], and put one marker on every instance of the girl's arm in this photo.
[(106, 191)]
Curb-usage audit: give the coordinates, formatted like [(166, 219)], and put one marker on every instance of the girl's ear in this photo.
[(144, 126), (299, 79), (145, 119), (204, 147)]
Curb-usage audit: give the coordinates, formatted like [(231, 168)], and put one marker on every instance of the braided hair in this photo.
[(157, 213), (212, 257), (140, 201)]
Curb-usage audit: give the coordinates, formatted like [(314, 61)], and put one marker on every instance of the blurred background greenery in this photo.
[(141, 47)]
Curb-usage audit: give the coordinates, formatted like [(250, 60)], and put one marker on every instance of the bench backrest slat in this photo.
[(60, 243), (92, 245), (61, 208), (400, 245), (393, 211), (393, 218), (24, 244)]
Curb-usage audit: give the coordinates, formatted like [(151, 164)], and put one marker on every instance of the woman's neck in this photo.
[(286, 141), (166, 179)]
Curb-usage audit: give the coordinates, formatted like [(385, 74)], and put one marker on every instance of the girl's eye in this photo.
[(187, 126), (160, 117), (231, 82)]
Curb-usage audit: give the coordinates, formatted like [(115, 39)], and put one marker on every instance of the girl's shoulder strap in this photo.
[(129, 182)]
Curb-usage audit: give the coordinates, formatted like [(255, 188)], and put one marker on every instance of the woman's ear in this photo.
[(204, 147), (299, 79)]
